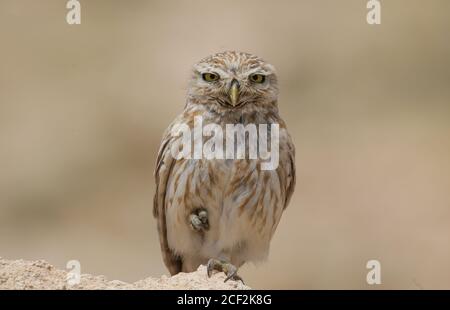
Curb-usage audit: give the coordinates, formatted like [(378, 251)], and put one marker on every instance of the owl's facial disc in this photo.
[(230, 89), (232, 80)]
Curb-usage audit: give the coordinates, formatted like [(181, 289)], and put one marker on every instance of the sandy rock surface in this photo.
[(21, 274)]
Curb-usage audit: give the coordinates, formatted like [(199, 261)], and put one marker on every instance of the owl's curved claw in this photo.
[(199, 220), (222, 266)]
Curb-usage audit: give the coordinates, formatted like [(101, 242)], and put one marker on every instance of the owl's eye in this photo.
[(257, 78), (210, 77)]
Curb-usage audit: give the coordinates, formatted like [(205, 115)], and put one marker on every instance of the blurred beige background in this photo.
[(82, 110)]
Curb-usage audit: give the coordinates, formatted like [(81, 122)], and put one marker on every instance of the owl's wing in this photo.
[(290, 172), (164, 165)]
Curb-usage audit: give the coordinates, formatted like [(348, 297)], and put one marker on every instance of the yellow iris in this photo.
[(257, 78), (210, 77)]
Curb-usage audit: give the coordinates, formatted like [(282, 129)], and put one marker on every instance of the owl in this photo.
[(222, 212)]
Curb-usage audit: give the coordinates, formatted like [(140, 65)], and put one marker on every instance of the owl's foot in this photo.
[(222, 266), (199, 220)]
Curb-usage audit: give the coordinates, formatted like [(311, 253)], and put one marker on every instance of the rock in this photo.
[(32, 275)]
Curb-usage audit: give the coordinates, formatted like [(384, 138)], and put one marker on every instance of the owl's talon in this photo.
[(203, 216), (222, 266), (199, 220)]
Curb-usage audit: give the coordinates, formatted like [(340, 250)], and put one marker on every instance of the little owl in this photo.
[(223, 212)]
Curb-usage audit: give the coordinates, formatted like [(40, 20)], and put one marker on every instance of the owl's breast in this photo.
[(244, 205), (238, 195)]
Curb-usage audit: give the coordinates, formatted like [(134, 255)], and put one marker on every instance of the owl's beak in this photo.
[(234, 92)]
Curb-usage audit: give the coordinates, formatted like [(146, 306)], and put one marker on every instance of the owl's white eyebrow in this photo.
[(258, 70), (213, 70), (221, 72)]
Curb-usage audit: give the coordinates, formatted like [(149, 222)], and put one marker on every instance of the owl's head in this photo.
[(232, 80)]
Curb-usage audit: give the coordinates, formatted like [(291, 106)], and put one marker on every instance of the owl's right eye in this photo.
[(210, 77)]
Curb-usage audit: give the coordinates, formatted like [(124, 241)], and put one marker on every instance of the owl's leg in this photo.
[(223, 266), (199, 220)]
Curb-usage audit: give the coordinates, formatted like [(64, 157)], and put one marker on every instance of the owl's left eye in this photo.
[(258, 78), (210, 77)]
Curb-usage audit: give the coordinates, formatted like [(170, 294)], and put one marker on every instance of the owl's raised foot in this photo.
[(199, 220), (222, 266)]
